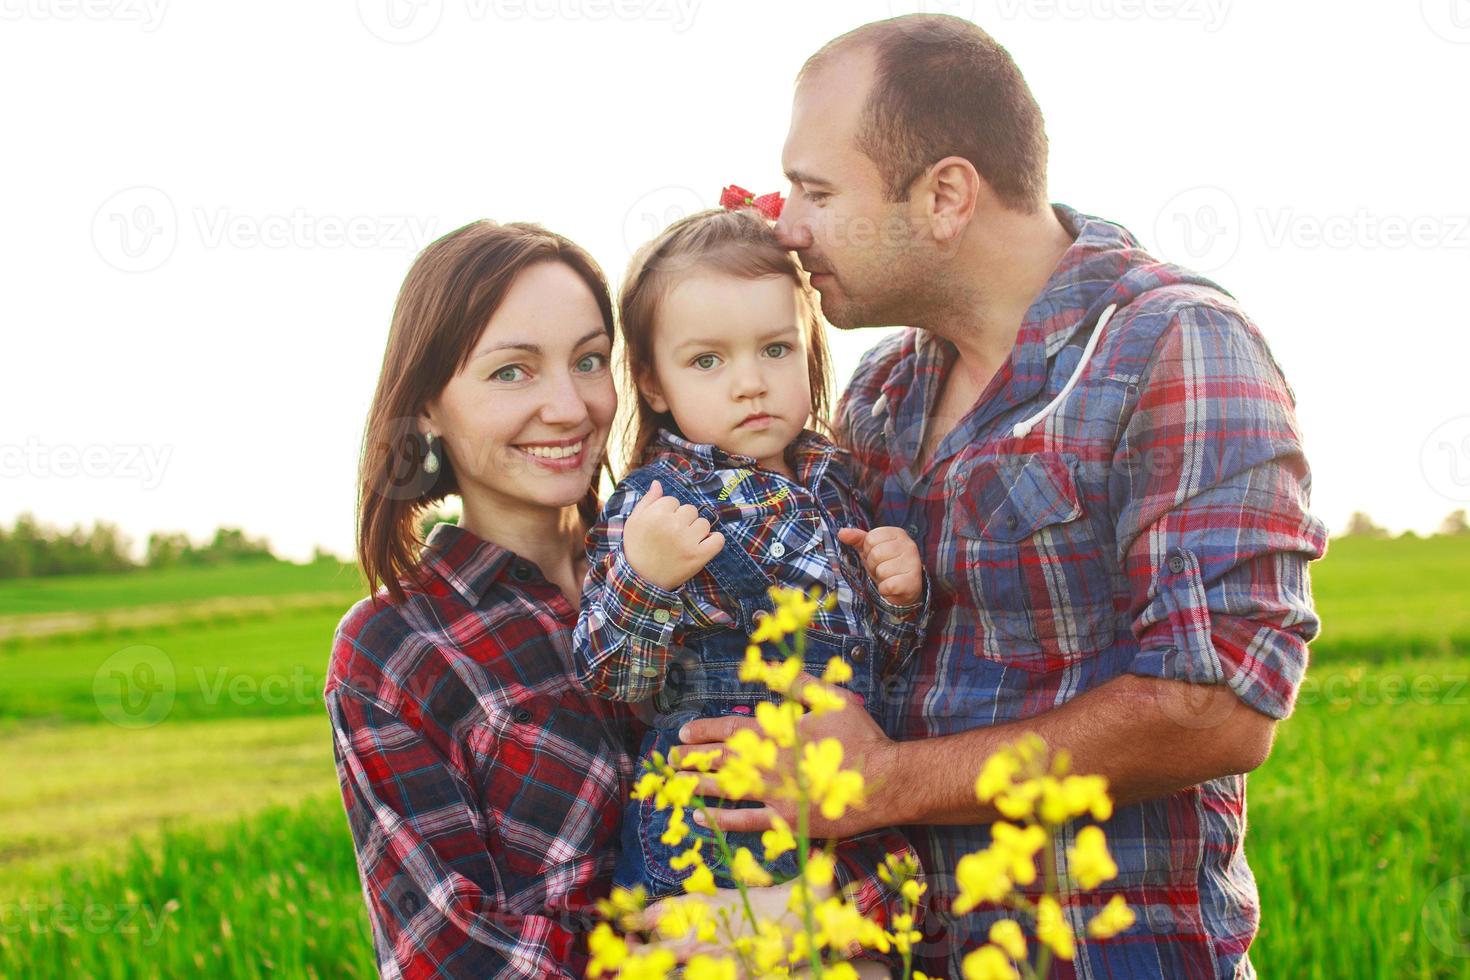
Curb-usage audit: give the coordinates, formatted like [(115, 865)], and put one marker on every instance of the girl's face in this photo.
[(730, 364), (525, 421)]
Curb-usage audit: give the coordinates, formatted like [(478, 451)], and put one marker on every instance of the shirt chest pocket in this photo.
[(785, 545), (1040, 583)]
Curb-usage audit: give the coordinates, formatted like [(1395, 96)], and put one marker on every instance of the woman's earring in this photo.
[(431, 461)]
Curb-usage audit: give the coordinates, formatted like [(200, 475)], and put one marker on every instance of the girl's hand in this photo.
[(892, 560), (667, 544)]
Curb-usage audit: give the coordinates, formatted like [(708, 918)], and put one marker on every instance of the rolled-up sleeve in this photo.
[(1210, 490)]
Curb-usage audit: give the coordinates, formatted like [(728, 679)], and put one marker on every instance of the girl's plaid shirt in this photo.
[(629, 627)]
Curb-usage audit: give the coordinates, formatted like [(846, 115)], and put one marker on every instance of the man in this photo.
[(1100, 460)]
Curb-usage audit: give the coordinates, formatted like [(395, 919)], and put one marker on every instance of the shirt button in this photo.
[(521, 715), (1176, 563), (913, 530), (521, 573), (1011, 521), (858, 653), (646, 671), (660, 615), (777, 550)]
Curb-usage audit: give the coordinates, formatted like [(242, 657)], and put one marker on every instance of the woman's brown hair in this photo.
[(737, 243), (449, 295)]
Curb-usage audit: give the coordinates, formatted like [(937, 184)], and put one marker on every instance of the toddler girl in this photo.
[(732, 493)]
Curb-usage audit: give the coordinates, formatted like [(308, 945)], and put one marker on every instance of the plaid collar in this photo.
[(467, 563), (812, 454)]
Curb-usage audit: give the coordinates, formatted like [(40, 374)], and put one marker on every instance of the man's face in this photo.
[(859, 247)]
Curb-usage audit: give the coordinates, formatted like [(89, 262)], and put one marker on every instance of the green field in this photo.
[(169, 806)]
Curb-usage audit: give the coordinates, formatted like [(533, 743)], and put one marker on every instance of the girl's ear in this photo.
[(652, 393)]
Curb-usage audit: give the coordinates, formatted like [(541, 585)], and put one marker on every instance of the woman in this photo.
[(483, 787)]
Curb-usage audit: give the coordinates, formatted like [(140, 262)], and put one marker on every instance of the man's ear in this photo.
[(955, 188), (652, 393)]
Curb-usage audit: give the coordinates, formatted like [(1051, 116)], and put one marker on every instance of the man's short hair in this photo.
[(943, 88)]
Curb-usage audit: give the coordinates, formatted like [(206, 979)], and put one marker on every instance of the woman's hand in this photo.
[(666, 543), (892, 560)]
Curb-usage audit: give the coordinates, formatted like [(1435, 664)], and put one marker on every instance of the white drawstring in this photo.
[(1022, 429)]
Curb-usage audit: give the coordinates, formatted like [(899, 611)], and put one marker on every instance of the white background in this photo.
[(189, 341)]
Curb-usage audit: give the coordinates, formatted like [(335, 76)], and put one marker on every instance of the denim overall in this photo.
[(703, 681)]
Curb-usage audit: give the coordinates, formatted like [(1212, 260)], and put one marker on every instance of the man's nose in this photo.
[(791, 228)]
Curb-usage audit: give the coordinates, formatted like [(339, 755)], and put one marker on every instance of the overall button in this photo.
[(858, 653), (777, 550)]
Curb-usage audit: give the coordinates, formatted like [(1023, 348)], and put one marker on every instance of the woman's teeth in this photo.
[(553, 452)]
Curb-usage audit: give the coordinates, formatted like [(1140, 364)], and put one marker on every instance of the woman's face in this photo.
[(526, 420)]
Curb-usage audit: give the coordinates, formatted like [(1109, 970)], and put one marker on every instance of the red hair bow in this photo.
[(734, 197)]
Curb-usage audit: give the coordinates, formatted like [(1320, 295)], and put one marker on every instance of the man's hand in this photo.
[(892, 560), (864, 748), (666, 543)]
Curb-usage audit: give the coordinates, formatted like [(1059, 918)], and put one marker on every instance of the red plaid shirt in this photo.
[(1154, 522), (483, 787)]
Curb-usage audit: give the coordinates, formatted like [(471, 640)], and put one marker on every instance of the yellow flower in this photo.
[(1053, 809), (820, 700), (831, 787), (1017, 848), (982, 878), (1008, 936), (778, 840), (1052, 929), (677, 790), (679, 916), (1089, 861), (838, 671), (677, 829), (779, 721), (767, 948), (753, 668), (609, 951), (1115, 917), (624, 907), (1087, 794), (911, 890), (1019, 802), (819, 869), (746, 753), (654, 965), (700, 882), (841, 970), (781, 676), (996, 775), (648, 784), (988, 963), (688, 858), (904, 935), (702, 761), (704, 967), (747, 870)]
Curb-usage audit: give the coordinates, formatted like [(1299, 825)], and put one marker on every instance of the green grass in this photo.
[(201, 834), (87, 593)]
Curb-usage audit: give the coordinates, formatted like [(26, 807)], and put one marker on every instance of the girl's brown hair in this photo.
[(449, 295), (738, 243)]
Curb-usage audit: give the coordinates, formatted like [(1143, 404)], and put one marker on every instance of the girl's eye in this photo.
[(592, 362), (777, 350), (705, 361), (509, 373)]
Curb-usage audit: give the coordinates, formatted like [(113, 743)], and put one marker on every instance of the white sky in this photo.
[(218, 371)]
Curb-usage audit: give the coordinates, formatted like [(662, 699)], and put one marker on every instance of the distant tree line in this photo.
[(30, 549), (1360, 525)]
